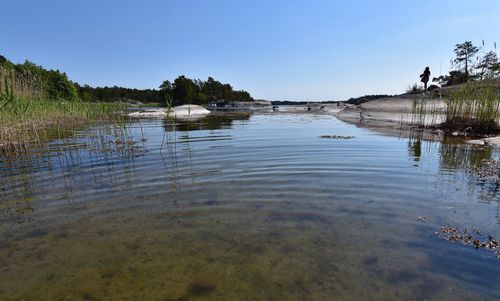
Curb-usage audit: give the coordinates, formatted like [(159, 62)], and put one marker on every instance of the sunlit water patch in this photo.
[(245, 207)]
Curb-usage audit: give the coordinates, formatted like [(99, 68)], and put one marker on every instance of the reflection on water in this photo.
[(456, 158), (177, 138), (457, 155), (244, 207), (213, 121), (415, 148)]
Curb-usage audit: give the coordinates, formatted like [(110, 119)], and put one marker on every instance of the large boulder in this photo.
[(181, 112), (187, 111)]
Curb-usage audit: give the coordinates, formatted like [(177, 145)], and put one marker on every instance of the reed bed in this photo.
[(22, 83), (424, 113), (472, 108), (474, 105), (25, 121)]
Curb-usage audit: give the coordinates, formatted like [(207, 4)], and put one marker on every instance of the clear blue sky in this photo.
[(286, 49)]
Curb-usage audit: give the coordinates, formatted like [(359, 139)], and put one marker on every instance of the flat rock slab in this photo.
[(184, 111), (189, 111), (404, 105)]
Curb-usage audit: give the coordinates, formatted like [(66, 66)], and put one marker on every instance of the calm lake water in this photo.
[(245, 207)]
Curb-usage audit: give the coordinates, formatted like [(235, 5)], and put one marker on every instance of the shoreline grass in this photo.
[(26, 121), (476, 106), (473, 108)]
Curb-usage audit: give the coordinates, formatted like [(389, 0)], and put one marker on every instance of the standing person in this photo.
[(424, 77)]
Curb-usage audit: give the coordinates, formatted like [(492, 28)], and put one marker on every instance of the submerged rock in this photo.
[(203, 283)]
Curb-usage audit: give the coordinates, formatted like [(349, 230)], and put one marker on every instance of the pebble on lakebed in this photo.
[(203, 283)]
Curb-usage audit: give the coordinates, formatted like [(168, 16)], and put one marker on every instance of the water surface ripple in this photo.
[(244, 207)]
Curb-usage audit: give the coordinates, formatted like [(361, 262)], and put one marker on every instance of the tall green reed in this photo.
[(26, 120), (473, 106)]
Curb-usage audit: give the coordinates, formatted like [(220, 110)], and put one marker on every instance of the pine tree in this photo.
[(465, 53)]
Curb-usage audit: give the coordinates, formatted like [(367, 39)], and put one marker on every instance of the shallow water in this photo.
[(245, 207)]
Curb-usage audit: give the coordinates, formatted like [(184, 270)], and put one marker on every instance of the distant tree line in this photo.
[(30, 80), (352, 100), (289, 103), (366, 98), (182, 91), (185, 90), (111, 94), (471, 63), (300, 102)]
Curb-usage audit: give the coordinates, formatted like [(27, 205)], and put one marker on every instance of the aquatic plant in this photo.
[(474, 105), (424, 111), (26, 120), (472, 108), (109, 143), (418, 111)]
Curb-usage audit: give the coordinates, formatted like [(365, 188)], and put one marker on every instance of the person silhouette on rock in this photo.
[(424, 77)]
